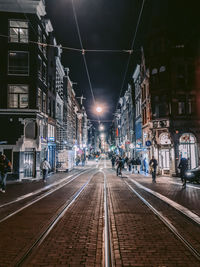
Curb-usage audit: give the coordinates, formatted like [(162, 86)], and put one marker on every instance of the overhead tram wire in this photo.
[(129, 58), (83, 53), (77, 49)]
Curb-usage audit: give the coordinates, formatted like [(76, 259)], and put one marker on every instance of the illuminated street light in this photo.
[(99, 109), (101, 127)]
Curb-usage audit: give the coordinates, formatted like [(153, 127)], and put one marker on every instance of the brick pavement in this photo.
[(77, 239), (139, 237), (16, 189), (21, 230), (172, 188)]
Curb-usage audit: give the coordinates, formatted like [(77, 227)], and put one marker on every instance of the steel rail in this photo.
[(51, 225), (181, 209), (36, 192), (43, 196), (107, 237), (167, 223)]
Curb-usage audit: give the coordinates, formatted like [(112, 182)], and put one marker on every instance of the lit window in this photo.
[(181, 108), (18, 63), (18, 96), (18, 31)]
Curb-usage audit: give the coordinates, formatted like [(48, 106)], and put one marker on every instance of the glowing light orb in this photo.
[(99, 109)]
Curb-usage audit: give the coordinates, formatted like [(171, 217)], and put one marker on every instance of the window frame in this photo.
[(18, 36), (17, 74), (18, 99)]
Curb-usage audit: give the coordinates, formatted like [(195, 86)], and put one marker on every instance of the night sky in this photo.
[(103, 25), (111, 24)]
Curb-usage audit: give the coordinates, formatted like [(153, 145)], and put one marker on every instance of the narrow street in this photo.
[(63, 222)]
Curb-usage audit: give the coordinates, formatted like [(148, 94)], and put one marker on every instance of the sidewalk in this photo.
[(16, 189)]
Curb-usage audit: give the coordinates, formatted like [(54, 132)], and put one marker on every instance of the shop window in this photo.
[(18, 63), (18, 31), (18, 96), (188, 149)]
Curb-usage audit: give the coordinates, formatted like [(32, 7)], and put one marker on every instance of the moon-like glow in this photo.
[(99, 109)]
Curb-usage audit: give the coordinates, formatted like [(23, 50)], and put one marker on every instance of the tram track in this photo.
[(44, 193), (52, 224), (168, 223), (106, 246), (36, 240)]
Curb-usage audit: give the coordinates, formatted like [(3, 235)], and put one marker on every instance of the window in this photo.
[(18, 63), (44, 46), (18, 96), (44, 73), (39, 67), (44, 103), (18, 31), (181, 108), (40, 37), (31, 130), (39, 99)]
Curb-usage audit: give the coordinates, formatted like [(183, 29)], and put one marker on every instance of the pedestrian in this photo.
[(113, 159), (126, 159), (183, 166), (119, 164), (129, 163), (144, 165), (134, 165), (83, 159), (153, 165), (138, 164), (45, 167), (5, 167)]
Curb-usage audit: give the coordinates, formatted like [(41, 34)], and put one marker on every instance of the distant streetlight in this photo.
[(101, 127), (99, 109)]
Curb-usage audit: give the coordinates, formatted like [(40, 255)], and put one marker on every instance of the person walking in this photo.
[(119, 164), (113, 159), (144, 165), (153, 165), (45, 167), (138, 164), (183, 166), (129, 164), (5, 167)]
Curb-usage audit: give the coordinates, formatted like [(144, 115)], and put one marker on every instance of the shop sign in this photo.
[(52, 139), (148, 143), (164, 139)]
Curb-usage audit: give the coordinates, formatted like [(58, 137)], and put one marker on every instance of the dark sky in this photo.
[(104, 24)]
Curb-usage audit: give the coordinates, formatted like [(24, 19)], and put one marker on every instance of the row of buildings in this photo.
[(40, 114), (159, 113)]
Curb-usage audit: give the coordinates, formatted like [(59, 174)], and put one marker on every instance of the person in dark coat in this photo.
[(138, 164), (183, 166), (119, 164), (5, 167), (113, 159), (153, 165)]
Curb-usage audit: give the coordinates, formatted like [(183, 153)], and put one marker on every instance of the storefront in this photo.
[(188, 149), (164, 153)]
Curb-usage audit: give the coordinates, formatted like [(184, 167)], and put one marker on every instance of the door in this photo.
[(164, 159), (29, 164)]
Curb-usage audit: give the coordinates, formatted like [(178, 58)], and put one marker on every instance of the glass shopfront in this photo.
[(188, 149)]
